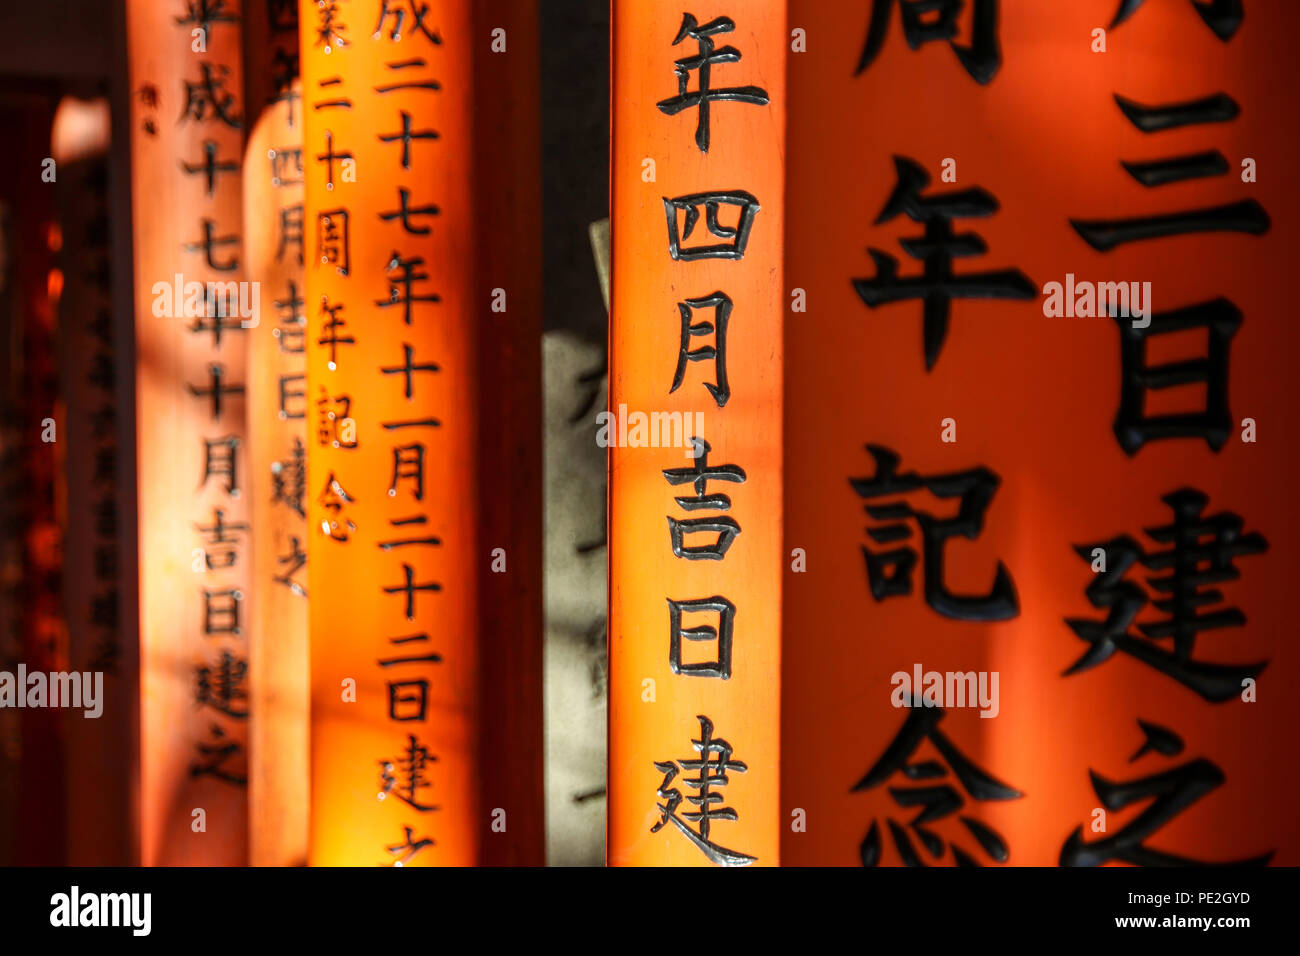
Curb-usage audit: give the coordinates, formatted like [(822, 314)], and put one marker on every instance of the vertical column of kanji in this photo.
[(98, 739), (185, 63), (696, 340), (277, 435), (392, 497)]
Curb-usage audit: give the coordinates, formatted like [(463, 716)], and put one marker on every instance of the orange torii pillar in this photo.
[(696, 337), (423, 364), (1010, 513), (98, 744), (278, 412), (187, 129)]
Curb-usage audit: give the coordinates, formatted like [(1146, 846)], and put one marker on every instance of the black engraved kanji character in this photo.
[(217, 754), (221, 540), (401, 286), (293, 323), (407, 211), (408, 368), (329, 29), (409, 848), (330, 331), (735, 238), (333, 240), (1246, 216), (211, 166), (936, 800), (289, 479), (720, 636), (1133, 426), (396, 12), (221, 611), (408, 465), (699, 475), (981, 59), (219, 462), (721, 305), (290, 232), (1222, 16), (221, 686), (209, 243), (703, 62), (1170, 793), (711, 771), (334, 499), (974, 489), (210, 96), (409, 588), (1202, 553), (216, 391), (406, 137), (405, 776), (296, 560), (937, 286)]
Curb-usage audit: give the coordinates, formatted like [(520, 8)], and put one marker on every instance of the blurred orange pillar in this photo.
[(278, 773), (423, 364), (696, 333), (187, 128)]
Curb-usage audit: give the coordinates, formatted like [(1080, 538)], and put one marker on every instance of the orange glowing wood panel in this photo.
[(278, 412), (187, 129), (697, 225), (423, 364), (1012, 444)]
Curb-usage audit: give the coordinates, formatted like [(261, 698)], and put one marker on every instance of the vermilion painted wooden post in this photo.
[(423, 356), (99, 741), (188, 123), (279, 410), (696, 557), (1030, 441), (30, 601)]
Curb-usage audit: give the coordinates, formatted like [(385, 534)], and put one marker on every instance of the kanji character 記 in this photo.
[(711, 775), (889, 572), (937, 285), (936, 799), (1202, 552)]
